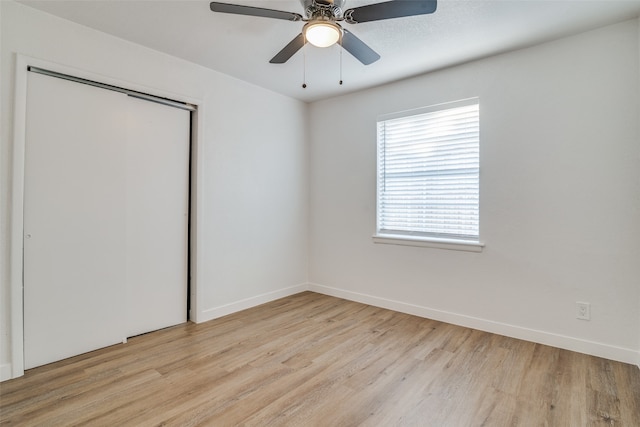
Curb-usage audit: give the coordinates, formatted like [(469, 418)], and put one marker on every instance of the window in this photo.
[(428, 175)]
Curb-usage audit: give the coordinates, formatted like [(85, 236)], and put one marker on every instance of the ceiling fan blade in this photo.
[(254, 11), (389, 9), (358, 48), (289, 50)]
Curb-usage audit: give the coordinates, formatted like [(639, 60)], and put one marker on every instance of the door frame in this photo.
[(196, 190)]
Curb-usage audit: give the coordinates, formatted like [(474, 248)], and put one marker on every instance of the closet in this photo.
[(106, 205)]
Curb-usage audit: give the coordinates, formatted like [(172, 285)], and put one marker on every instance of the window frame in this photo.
[(408, 238)]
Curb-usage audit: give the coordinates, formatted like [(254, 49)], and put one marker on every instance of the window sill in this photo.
[(429, 242)]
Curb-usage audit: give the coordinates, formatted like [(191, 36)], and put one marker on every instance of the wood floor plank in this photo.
[(315, 360)]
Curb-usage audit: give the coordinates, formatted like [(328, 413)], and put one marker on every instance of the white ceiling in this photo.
[(242, 46)]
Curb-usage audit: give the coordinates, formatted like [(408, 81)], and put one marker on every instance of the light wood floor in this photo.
[(314, 360)]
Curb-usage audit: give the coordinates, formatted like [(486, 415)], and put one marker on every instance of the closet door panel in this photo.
[(74, 243), (157, 210)]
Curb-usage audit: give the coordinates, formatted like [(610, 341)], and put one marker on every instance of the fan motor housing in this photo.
[(323, 8)]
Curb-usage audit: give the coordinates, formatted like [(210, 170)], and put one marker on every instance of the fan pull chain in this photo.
[(304, 64), (341, 49)]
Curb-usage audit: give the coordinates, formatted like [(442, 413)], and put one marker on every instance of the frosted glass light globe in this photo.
[(322, 34)]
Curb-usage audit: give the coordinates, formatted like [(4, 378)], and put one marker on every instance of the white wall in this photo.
[(253, 227), (560, 211)]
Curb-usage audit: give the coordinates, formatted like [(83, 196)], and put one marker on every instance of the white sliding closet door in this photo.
[(105, 204), (157, 215), (74, 223)]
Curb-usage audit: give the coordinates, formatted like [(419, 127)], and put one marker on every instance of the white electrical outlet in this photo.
[(583, 310)]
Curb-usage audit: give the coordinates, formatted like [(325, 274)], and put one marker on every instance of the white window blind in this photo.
[(428, 172)]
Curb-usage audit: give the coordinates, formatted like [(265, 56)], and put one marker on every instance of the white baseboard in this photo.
[(606, 351), (5, 372), (223, 310)]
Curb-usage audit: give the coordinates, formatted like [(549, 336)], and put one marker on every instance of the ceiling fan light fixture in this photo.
[(323, 33)]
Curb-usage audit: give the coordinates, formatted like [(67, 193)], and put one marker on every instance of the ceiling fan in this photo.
[(322, 28)]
